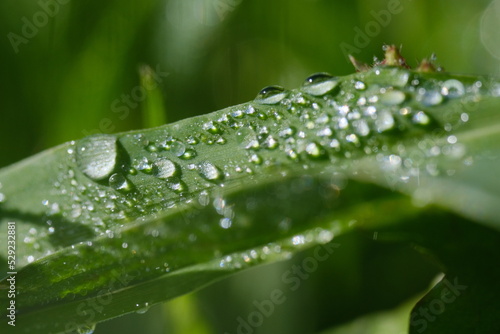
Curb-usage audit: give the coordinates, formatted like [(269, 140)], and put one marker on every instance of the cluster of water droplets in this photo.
[(328, 119)]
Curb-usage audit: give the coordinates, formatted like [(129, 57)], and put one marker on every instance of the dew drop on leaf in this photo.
[(392, 97), (209, 172), (247, 138), (86, 329), (178, 148), (319, 84), (96, 156), (430, 98), (145, 166), (118, 182), (271, 95), (164, 168), (315, 150), (420, 118), (143, 309), (359, 85), (384, 121)]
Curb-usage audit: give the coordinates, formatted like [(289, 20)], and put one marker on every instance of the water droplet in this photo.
[(188, 154), (271, 95), (361, 127), (96, 156), (143, 309), (152, 148), (392, 97), (118, 182), (421, 118), (237, 113), (452, 88), (177, 186), (212, 127), (256, 159), (165, 168), (2, 197), (315, 150), (319, 84), (270, 143), (352, 138), (86, 329), (430, 97), (178, 148), (343, 123), (288, 132), (359, 85), (247, 138), (225, 223), (209, 172), (145, 166), (298, 240), (384, 121)]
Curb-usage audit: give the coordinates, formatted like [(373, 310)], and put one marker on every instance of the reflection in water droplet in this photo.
[(145, 166), (209, 172), (271, 95), (165, 168), (118, 182), (96, 156), (319, 84), (452, 88)]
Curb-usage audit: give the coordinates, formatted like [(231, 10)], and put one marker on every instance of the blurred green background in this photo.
[(71, 68)]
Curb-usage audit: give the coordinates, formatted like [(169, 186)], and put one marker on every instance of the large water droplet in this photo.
[(247, 138), (209, 172), (165, 168), (118, 182), (96, 156), (271, 95), (319, 84)]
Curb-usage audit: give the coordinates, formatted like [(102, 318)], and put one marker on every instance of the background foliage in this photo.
[(69, 80)]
